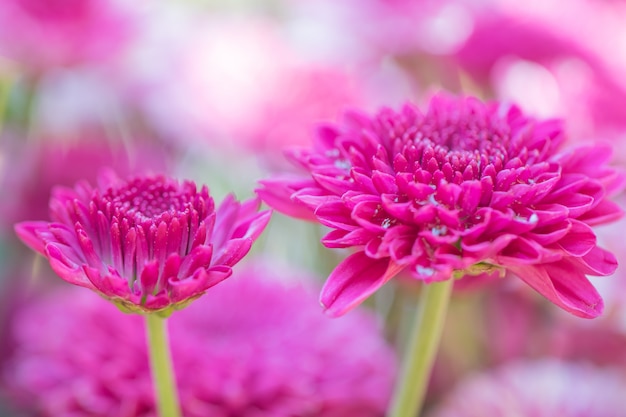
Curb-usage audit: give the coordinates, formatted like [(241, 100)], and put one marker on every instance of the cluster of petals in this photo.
[(254, 346), (149, 243), (464, 188), (45, 33), (542, 388)]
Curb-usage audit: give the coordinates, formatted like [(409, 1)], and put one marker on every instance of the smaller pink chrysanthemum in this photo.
[(544, 388), (149, 244), (254, 346), (464, 188)]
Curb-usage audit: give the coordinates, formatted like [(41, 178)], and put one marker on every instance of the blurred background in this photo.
[(215, 90)]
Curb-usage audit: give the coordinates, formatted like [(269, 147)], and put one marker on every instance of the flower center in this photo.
[(146, 200), (153, 200), (461, 145)]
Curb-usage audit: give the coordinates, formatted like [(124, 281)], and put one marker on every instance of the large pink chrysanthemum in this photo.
[(150, 243), (252, 347), (466, 187), (543, 388)]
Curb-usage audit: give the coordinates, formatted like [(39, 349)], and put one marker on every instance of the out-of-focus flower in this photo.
[(550, 67), (46, 33), (462, 189), (238, 81), (31, 171), (252, 347), (150, 244), (538, 389), (401, 26)]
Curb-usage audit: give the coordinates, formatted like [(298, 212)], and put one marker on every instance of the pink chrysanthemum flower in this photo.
[(150, 244), (464, 188), (252, 347), (544, 388)]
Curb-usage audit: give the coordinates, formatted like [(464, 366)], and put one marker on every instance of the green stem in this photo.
[(5, 90), (421, 352), (161, 365)]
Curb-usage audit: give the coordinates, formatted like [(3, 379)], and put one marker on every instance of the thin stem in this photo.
[(422, 349), (161, 365), (5, 90)]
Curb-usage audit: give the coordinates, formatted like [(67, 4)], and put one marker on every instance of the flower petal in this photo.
[(277, 193), (65, 267), (28, 232), (353, 280), (196, 284), (564, 286)]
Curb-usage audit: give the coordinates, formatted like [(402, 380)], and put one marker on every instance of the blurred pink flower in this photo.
[(400, 27), (150, 244), (238, 83), (45, 33), (252, 347), (553, 62), (544, 388), (462, 189)]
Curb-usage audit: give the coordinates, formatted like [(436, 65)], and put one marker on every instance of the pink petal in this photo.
[(354, 280), (549, 234), (225, 220), (108, 284), (65, 267), (333, 183), (579, 241), (400, 210), (252, 227), (564, 286), (471, 193), (181, 290), (28, 232), (384, 183), (232, 252), (346, 239), (585, 159), (149, 277), (364, 181), (199, 258), (606, 211), (520, 251), (598, 262), (370, 216), (277, 193), (335, 214), (156, 302)]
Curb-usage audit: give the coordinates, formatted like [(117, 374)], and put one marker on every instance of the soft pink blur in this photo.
[(42, 34), (255, 347), (237, 83)]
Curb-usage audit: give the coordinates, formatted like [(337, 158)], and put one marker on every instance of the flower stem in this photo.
[(422, 349), (161, 365)]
